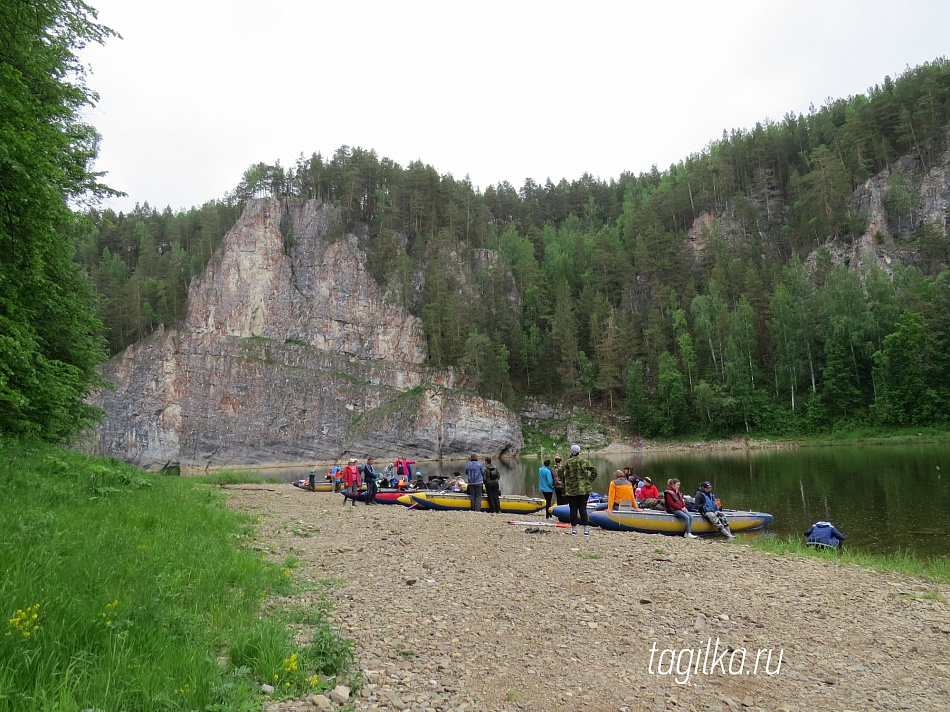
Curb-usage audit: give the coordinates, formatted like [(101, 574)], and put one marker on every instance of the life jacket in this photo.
[(706, 502), (673, 496)]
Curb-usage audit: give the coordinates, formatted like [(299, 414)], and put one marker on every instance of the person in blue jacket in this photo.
[(823, 534), (546, 486), (706, 502)]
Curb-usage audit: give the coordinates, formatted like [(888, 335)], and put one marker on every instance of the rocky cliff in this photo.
[(888, 237), (290, 353)]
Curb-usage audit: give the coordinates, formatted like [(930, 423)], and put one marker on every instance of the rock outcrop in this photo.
[(290, 354)]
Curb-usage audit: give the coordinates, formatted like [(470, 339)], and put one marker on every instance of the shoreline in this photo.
[(482, 616), (649, 446)]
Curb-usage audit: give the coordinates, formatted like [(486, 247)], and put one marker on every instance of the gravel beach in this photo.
[(460, 612)]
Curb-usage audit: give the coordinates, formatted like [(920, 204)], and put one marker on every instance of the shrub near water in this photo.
[(121, 590)]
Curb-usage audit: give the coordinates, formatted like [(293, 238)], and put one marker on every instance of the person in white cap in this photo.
[(578, 475)]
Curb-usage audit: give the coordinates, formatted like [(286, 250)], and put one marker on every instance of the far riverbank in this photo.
[(620, 445)]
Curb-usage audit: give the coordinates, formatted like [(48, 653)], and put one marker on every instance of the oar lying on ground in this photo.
[(541, 524)]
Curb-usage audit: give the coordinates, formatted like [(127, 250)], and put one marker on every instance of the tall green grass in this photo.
[(122, 590), (903, 562)]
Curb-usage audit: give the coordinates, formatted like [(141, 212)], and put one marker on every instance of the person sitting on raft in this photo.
[(709, 507), (823, 535), (676, 505), (648, 492), (620, 491)]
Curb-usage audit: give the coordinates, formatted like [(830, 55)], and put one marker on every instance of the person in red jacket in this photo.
[(351, 480), (676, 505), (403, 471), (648, 491)]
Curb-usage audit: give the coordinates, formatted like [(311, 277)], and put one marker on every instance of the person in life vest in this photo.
[(620, 491), (708, 505), (675, 504), (823, 535)]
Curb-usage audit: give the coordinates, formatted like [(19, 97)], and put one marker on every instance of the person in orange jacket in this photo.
[(620, 491)]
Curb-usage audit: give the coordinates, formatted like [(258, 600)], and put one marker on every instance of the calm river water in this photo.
[(884, 498)]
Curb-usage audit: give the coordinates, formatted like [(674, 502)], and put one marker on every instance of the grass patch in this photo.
[(585, 555), (233, 477), (903, 562), (129, 591)]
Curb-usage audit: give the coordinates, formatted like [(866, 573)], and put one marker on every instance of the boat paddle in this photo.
[(540, 524)]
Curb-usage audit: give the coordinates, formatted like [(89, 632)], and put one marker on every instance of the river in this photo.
[(884, 498)]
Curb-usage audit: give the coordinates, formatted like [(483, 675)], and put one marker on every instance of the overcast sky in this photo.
[(198, 90)]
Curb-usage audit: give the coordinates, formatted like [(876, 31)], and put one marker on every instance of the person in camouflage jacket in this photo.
[(578, 476)]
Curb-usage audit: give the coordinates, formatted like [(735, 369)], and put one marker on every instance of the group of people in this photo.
[(485, 476), (398, 475), (353, 476), (572, 483)]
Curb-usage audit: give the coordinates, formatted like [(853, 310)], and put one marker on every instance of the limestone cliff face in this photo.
[(290, 353), (886, 239)]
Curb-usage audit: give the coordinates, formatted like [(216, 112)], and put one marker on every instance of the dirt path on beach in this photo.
[(460, 612)]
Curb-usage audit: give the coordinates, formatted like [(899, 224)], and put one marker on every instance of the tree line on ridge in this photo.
[(704, 298)]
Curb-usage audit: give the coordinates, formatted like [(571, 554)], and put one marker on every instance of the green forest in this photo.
[(703, 299), (606, 293)]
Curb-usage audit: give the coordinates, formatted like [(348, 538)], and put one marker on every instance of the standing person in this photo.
[(492, 487), (403, 473), (579, 476), (676, 505), (546, 485), (558, 481), (710, 509), (351, 480), (369, 479), (334, 475), (620, 491), (475, 474)]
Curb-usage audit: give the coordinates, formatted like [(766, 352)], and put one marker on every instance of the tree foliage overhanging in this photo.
[(678, 299), (50, 347)]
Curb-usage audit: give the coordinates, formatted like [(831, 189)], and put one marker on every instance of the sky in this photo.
[(197, 91)]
